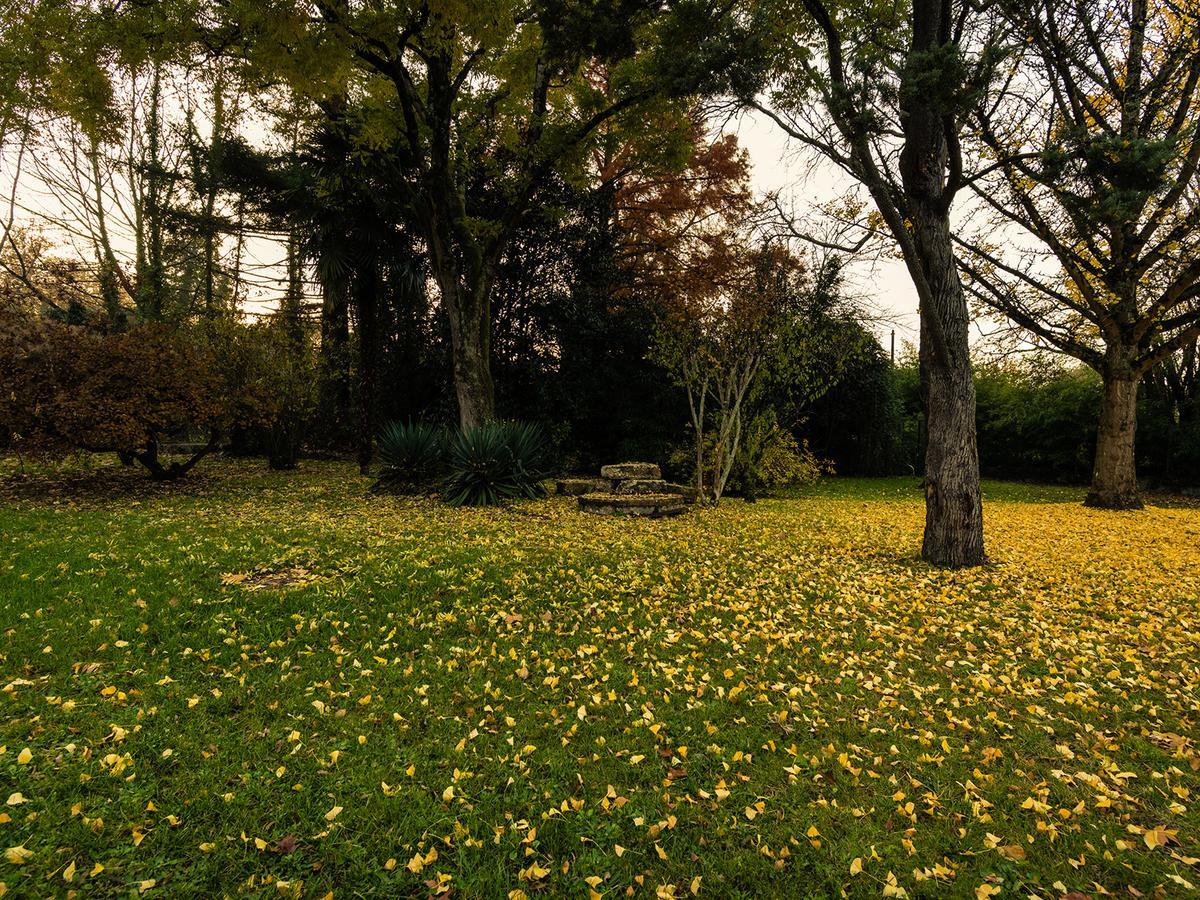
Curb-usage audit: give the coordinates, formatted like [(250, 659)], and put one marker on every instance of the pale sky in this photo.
[(882, 285), (779, 165)]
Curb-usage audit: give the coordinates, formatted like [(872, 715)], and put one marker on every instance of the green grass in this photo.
[(750, 695)]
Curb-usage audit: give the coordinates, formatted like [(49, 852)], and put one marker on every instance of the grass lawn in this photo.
[(278, 684)]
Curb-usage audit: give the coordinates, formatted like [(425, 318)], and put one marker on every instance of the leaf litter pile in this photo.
[(280, 685)]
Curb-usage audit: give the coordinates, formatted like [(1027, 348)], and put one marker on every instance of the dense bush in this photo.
[(787, 463), (1168, 449), (772, 458), (1036, 419), (133, 391), (128, 392), (271, 376), (858, 423)]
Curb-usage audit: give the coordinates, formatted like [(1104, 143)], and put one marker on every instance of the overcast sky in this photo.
[(779, 165)]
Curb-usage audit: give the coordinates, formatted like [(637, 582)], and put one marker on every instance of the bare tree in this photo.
[(890, 87), (1098, 162)]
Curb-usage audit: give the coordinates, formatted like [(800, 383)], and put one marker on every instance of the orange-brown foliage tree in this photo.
[(64, 385)]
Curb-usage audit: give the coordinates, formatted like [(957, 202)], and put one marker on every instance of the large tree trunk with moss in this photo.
[(953, 503), (1114, 476), (468, 310)]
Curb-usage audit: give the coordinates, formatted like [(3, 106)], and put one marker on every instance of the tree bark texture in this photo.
[(1114, 475)]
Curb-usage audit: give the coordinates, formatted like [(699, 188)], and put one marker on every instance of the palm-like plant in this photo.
[(413, 456), (496, 463)]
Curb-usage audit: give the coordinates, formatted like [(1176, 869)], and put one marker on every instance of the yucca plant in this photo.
[(414, 457), (495, 463)]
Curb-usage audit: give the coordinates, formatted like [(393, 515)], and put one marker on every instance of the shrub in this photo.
[(271, 380), (495, 463), (64, 385), (773, 459), (414, 457), (788, 463)]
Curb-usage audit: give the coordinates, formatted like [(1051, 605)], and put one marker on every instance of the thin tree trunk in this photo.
[(367, 290), (335, 361), (1114, 476), (211, 189)]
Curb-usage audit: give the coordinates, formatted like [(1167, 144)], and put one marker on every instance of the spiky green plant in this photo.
[(414, 457), (496, 463)]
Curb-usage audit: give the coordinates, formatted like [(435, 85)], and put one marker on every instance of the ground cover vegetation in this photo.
[(280, 683), (305, 305)]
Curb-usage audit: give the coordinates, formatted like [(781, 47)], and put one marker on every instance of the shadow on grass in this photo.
[(96, 479)]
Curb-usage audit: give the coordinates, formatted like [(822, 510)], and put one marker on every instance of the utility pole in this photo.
[(893, 348)]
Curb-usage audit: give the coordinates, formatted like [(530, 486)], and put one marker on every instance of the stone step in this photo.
[(641, 486), (573, 487), (649, 505), (621, 471), (687, 491)]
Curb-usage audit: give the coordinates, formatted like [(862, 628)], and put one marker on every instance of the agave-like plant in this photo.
[(495, 463), (414, 457)]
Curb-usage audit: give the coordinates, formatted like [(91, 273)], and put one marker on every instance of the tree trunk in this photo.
[(953, 504), (334, 396), (467, 308), (366, 302), (1114, 476)]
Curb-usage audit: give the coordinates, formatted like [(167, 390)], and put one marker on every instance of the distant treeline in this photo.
[(1036, 421)]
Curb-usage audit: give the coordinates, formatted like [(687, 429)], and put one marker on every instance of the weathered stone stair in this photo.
[(630, 489)]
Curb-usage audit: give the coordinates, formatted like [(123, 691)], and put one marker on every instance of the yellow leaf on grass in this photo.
[(18, 855), (533, 873), (856, 865), (1157, 837), (25, 756)]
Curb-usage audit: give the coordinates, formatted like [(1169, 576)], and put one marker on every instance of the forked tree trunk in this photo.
[(1114, 476)]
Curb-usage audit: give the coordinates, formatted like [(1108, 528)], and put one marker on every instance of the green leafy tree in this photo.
[(481, 104)]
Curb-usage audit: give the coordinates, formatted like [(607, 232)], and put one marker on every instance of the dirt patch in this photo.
[(271, 579)]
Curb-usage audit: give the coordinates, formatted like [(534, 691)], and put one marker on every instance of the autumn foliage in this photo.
[(71, 386)]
